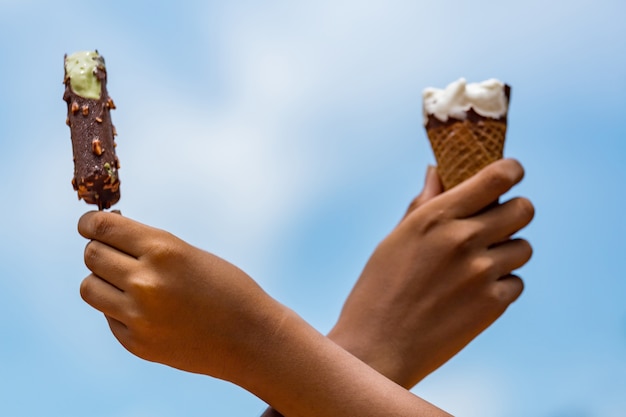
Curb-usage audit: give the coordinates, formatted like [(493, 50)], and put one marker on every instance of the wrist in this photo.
[(299, 371), (257, 340), (381, 355), (274, 358)]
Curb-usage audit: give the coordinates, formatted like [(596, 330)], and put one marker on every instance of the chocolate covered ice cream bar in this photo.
[(89, 108)]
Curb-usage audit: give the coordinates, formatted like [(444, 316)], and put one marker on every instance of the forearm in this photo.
[(302, 373), (385, 367)]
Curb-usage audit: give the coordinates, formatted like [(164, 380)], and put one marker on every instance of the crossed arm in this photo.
[(441, 277)]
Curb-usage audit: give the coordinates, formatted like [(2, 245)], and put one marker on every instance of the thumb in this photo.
[(432, 185), (432, 188)]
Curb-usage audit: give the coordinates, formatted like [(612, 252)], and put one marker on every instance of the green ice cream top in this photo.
[(80, 68)]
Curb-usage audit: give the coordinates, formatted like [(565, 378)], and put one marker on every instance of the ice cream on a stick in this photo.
[(89, 108), (466, 125)]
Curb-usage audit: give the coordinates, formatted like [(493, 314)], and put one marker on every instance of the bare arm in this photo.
[(440, 277), (169, 302)]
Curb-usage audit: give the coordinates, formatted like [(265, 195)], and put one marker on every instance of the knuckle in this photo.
[(527, 250), (464, 239), (86, 291), (499, 294), (428, 220), (164, 248), (505, 293), (413, 204), (513, 169), (483, 267), (498, 177), (133, 345), (91, 254), (135, 318), (515, 165), (144, 286), (504, 174), (100, 225), (141, 334), (525, 208), (160, 251)]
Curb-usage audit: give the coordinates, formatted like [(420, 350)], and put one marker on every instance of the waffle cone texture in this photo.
[(464, 147)]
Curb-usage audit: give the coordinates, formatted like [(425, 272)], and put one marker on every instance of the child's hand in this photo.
[(169, 302), (440, 278)]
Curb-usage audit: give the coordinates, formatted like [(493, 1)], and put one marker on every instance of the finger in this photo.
[(103, 296), (116, 326), (510, 255), (507, 289), (120, 331), (117, 231), (109, 263), (483, 189), (432, 185), (504, 220), (432, 188)]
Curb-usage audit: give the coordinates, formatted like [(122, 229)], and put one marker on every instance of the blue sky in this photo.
[(286, 137)]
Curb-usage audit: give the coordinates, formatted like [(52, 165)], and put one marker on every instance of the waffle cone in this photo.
[(464, 147)]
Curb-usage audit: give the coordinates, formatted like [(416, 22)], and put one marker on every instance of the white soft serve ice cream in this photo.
[(487, 98)]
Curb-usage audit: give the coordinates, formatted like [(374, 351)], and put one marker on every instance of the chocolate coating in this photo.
[(471, 115), (96, 165)]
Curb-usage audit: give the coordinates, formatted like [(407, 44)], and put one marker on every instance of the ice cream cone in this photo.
[(466, 127), (464, 147)]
